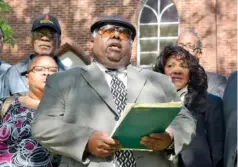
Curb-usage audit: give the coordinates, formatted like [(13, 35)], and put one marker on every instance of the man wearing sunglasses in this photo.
[(191, 41), (75, 117), (45, 38)]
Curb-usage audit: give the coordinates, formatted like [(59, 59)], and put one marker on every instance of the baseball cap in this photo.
[(46, 20), (114, 20)]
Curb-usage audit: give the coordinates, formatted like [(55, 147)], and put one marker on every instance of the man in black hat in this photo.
[(45, 37), (77, 115)]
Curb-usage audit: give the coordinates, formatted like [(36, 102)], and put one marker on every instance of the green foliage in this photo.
[(8, 32), (4, 6)]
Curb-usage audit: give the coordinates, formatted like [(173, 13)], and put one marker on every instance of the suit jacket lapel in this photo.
[(95, 78), (135, 83)]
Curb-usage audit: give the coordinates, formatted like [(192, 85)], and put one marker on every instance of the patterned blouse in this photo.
[(17, 147)]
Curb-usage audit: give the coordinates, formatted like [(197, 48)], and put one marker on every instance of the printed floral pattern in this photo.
[(17, 147)]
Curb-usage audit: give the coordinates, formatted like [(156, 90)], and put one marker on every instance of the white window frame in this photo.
[(158, 16)]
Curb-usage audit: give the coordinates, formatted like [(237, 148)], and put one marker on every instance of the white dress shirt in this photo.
[(121, 73)]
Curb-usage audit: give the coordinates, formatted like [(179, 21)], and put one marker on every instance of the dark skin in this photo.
[(100, 144), (45, 46), (114, 53), (157, 141)]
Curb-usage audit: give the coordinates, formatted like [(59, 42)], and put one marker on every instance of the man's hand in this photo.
[(157, 141), (101, 145)]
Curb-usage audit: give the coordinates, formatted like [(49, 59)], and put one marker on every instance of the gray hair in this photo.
[(94, 34), (190, 31)]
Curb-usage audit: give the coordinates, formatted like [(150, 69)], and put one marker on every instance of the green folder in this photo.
[(138, 120)]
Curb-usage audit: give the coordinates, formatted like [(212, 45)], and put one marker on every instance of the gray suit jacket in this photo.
[(230, 116), (79, 101), (216, 84)]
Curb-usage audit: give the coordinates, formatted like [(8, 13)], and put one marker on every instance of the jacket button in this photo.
[(116, 118)]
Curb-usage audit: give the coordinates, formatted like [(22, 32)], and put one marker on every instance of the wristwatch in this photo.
[(169, 151), (171, 146)]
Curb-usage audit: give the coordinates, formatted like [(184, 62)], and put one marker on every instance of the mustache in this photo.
[(44, 54)]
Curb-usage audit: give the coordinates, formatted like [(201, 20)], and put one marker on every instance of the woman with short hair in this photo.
[(17, 146)]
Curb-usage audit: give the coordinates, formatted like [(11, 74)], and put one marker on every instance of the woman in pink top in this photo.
[(17, 147)]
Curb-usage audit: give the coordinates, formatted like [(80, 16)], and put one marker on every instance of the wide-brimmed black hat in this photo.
[(114, 20), (46, 20)]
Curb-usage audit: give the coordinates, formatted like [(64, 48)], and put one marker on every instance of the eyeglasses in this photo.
[(41, 69), (109, 30), (189, 47), (48, 34)]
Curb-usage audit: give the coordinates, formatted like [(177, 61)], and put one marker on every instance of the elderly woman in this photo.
[(17, 147), (190, 79)]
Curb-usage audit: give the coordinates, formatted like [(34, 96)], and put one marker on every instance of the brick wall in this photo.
[(226, 36), (214, 20)]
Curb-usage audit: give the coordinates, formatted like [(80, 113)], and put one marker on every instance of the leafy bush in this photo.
[(8, 31)]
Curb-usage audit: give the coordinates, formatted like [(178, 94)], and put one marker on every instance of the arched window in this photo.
[(158, 27)]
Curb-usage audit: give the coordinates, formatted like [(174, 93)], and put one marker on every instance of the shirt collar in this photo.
[(182, 92), (102, 68)]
